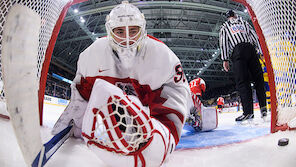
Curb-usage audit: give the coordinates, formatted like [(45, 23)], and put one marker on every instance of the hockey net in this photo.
[(274, 22), (52, 13)]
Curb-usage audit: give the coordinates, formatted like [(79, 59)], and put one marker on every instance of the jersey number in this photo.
[(179, 74)]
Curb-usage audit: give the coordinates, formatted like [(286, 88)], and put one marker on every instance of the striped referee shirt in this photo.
[(233, 32)]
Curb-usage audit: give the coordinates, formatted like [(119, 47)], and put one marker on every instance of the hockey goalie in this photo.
[(201, 118), (129, 95)]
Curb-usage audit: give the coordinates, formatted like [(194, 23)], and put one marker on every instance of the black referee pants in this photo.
[(247, 68)]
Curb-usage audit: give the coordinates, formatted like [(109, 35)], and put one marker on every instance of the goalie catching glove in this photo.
[(114, 121)]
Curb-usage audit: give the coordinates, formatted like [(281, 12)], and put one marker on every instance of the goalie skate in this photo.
[(195, 122), (19, 64)]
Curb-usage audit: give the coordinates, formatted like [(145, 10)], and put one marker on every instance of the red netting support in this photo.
[(52, 13), (274, 22), (48, 55)]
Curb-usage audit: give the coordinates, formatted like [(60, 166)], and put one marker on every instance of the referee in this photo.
[(238, 43)]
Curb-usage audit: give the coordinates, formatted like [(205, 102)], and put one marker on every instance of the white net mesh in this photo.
[(48, 10), (121, 129), (277, 20)]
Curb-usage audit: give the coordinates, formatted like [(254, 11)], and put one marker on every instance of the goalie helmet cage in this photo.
[(52, 14), (274, 22)]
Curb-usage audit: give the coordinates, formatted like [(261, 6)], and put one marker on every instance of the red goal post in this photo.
[(274, 22), (52, 14)]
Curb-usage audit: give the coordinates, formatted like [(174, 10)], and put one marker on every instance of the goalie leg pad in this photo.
[(209, 118), (113, 121)]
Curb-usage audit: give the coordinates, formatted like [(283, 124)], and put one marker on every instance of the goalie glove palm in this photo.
[(114, 121)]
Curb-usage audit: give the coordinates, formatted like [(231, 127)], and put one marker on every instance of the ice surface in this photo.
[(257, 152)]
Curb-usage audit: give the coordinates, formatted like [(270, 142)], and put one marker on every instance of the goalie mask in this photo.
[(125, 26)]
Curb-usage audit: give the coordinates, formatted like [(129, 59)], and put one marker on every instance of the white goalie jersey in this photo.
[(163, 88), (162, 93)]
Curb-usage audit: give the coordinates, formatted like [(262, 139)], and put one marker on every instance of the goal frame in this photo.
[(274, 127), (48, 55), (47, 58), (55, 32)]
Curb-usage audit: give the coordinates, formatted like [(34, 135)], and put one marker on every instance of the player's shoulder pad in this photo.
[(160, 56), (160, 51), (97, 46)]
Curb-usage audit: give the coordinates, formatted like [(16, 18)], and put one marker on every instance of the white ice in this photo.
[(258, 152)]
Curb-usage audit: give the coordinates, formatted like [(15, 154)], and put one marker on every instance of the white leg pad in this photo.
[(209, 118)]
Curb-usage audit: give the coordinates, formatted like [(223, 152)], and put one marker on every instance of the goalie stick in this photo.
[(49, 148), (19, 58), (19, 68)]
